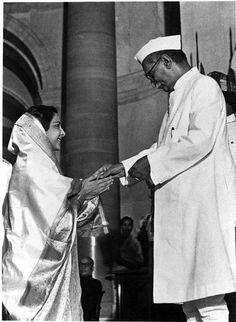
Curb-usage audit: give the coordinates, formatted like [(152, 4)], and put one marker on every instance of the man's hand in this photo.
[(141, 169), (114, 170)]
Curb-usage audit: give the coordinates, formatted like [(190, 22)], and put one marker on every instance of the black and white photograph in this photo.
[(118, 161)]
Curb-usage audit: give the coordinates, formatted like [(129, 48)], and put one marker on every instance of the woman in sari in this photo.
[(40, 265)]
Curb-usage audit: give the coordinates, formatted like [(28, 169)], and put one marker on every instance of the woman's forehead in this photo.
[(56, 118)]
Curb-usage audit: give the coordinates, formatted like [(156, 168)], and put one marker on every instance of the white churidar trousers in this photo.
[(209, 309)]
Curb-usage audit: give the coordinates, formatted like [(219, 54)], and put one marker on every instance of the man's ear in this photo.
[(167, 60)]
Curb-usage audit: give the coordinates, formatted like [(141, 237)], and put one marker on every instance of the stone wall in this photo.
[(209, 33)]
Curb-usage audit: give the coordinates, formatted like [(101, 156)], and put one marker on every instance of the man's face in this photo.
[(126, 227), (158, 74), (85, 267)]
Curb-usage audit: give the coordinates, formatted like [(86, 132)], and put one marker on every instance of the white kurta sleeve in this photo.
[(207, 116)]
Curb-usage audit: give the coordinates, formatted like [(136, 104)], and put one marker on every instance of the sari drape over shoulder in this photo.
[(40, 265)]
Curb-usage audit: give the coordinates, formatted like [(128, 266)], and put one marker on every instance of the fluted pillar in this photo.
[(90, 98), (89, 115)]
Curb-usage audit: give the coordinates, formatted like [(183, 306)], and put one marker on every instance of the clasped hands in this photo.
[(139, 171), (101, 180)]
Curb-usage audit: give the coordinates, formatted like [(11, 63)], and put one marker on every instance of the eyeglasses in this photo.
[(149, 77)]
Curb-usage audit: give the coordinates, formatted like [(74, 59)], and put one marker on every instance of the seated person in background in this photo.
[(128, 256), (129, 253), (145, 236), (91, 289)]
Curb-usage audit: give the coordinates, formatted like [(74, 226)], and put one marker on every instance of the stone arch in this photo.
[(28, 72), (38, 49)]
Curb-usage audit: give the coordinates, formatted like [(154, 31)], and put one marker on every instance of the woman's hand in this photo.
[(116, 170), (98, 174), (92, 187)]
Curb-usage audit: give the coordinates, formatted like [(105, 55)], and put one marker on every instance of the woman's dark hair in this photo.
[(43, 113)]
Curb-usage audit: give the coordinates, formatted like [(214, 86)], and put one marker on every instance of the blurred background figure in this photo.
[(129, 252), (130, 274), (91, 290), (145, 234)]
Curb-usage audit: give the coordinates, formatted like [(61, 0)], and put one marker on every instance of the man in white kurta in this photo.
[(194, 176)]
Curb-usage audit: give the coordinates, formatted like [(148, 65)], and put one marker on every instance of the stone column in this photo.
[(90, 96), (89, 115)]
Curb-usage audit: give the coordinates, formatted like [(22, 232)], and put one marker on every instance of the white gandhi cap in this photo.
[(157, 44)]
